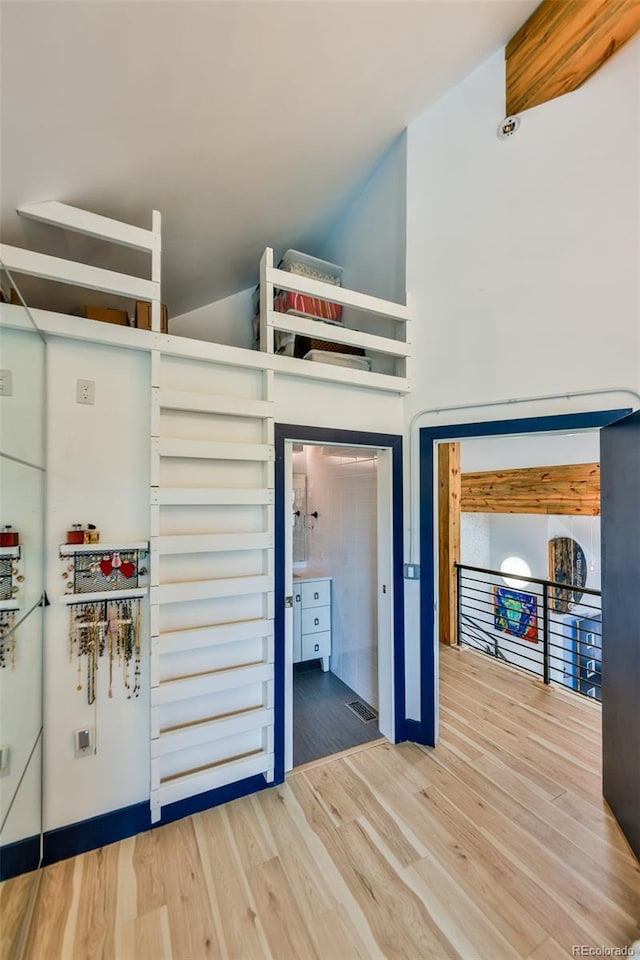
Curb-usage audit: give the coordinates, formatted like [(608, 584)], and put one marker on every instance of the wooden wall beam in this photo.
[(448, 539), (561, 45), (572, 489)]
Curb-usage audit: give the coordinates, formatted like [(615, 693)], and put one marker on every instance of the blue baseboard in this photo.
[(213, 798), (19, 857), (96, 832), (107, 828)]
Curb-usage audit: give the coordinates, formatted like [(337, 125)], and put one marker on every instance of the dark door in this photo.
[(620, 467)]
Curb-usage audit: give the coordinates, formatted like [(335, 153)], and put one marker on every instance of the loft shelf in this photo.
[(394, 347)]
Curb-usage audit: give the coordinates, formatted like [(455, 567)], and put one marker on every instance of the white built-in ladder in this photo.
[(212, 644)]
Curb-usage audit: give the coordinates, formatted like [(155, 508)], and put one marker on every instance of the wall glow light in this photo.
[(518, 566)]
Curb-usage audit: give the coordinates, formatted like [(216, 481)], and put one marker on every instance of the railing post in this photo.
[(545, 633)]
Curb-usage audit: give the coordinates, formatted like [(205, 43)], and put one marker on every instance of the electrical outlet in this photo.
[(6, 389), (86, 391), (84, 742)]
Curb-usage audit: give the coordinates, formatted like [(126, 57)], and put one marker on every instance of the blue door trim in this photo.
[(426, 733), (328, 435)]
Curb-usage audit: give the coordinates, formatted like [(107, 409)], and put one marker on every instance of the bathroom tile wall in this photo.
[(342, 544)]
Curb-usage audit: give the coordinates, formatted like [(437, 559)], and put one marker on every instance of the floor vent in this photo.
[(361, 710)]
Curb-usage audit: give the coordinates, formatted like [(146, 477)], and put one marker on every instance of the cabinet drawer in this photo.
[(316, 620), (316, 593), (316, 645)]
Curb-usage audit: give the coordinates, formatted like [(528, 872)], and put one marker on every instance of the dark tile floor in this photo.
[(322, 724)]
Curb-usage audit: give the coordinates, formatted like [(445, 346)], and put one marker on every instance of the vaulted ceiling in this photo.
[(246, 124)]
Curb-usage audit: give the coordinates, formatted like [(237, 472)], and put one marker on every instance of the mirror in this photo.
[(299, 510), (22, 497)]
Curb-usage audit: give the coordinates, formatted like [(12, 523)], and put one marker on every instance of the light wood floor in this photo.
[(496, 844)]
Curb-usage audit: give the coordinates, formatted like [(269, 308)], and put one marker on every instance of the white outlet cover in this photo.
[(86, 391)]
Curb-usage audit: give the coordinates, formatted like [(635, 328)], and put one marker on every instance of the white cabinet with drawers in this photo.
[(312, 620)]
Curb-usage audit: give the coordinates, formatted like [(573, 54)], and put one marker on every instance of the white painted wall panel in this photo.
[(99, 473), (216, 657), (202, 426), (206, 377), (198, 612), (211, 519), (199, 708)]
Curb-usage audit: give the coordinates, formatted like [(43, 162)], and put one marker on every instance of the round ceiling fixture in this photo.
[(508, 127), (518, 566)]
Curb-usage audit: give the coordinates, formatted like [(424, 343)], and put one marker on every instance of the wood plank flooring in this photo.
[(495, 845)]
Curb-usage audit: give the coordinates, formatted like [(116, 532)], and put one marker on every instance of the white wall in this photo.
[(368, 240), (522, 255), (475, 539), (313, 403), (227, 321), (22, 485), (342, 544), (369, 237), (98, 472), (533, 450)]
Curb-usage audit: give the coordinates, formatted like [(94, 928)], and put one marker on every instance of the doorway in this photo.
[(426, 731), (333, 553), (529, 517), (339, 618)]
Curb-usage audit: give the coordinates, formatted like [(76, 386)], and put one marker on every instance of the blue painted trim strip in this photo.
[(19, 857), (212, 798), (428, 507), (413, 730), (96, 832), (116, 825), (329, 435)]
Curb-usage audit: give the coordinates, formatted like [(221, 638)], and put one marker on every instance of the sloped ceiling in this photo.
[(246, 124)]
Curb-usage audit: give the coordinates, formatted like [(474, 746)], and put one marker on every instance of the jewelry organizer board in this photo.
[(23, 478)]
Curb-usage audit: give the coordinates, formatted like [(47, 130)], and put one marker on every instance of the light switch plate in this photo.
[(412, 571), (84, 740)]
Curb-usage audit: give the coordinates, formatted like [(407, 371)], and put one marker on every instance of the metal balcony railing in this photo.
[(551, 629)]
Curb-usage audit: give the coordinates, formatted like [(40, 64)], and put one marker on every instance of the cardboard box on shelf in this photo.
[(143, 316), (107, 315)]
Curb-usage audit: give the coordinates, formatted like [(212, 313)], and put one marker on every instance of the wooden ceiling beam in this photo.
[(561, 45), (571, 489), (448, 539)]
